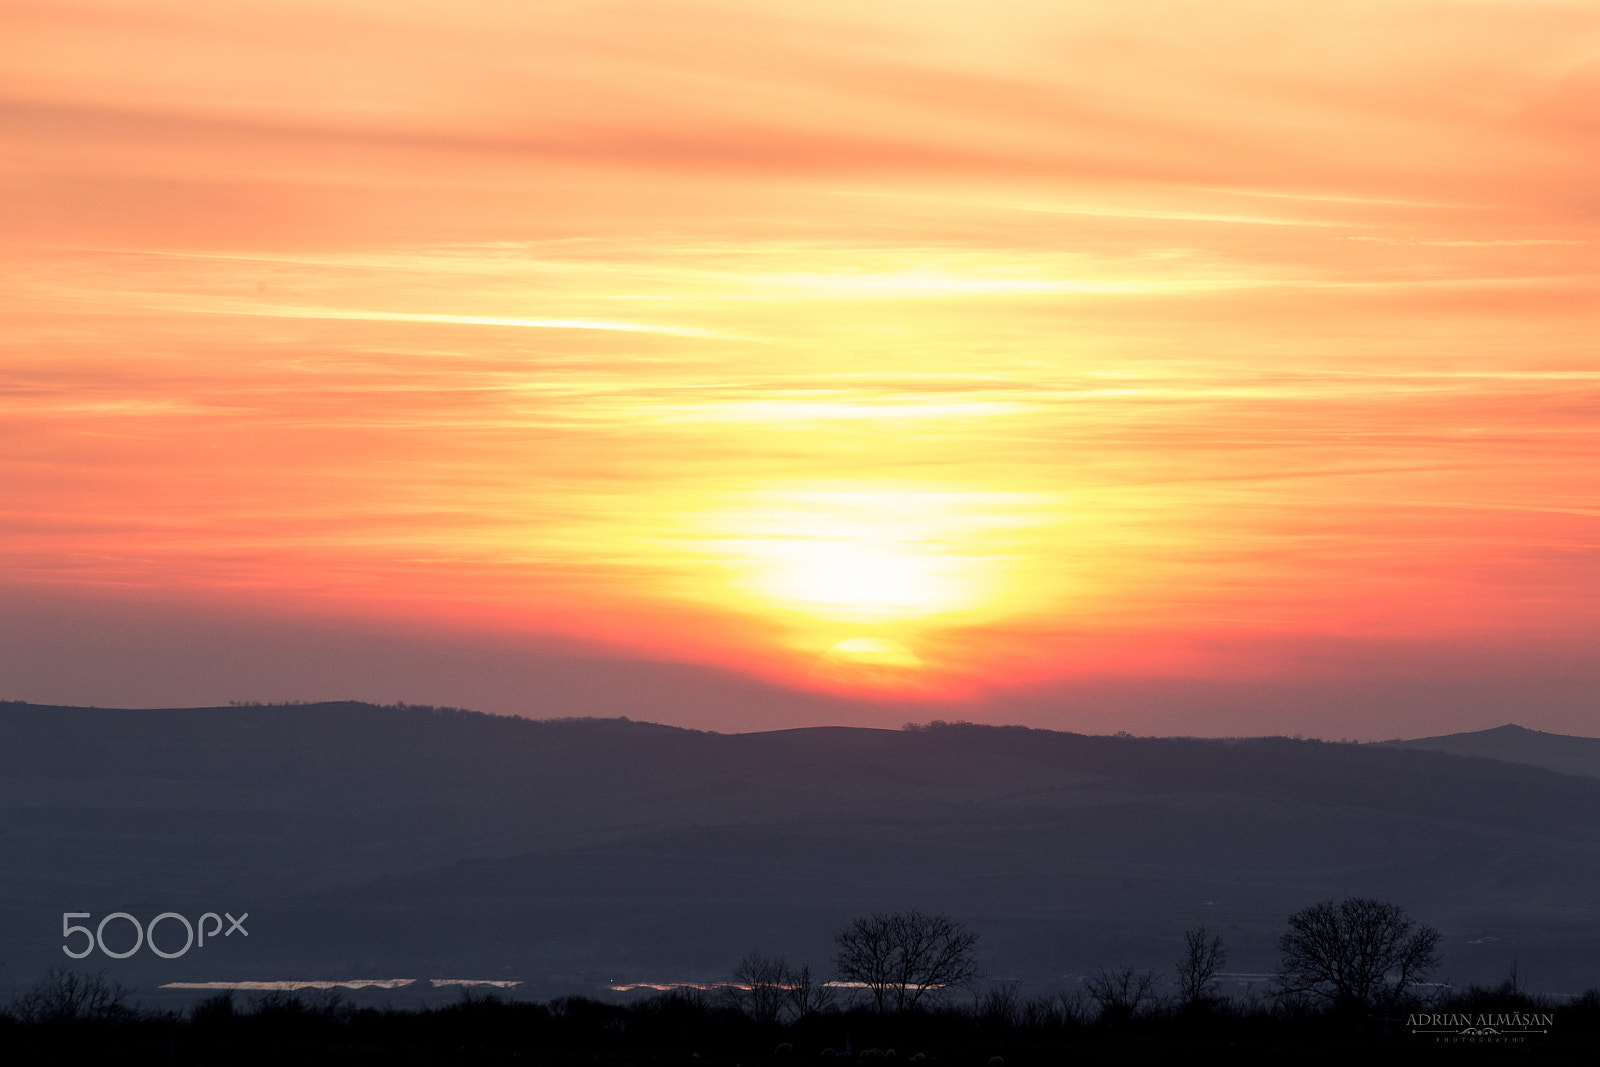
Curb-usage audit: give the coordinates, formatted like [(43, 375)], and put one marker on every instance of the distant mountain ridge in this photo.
[(405, 841), (1517, 744)]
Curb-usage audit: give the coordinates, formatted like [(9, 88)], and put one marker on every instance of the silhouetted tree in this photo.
[(761, 986), (1000, 1007), (1202, 958), (807, 994), (1119, 994), (905, 957), (64, 996), (1355, 953)]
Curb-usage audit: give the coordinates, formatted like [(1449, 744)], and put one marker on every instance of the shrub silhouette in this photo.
[(65, 997)]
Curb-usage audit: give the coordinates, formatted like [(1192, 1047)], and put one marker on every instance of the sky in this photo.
[(1189, 368)]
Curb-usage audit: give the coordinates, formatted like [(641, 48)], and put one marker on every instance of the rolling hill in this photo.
[(572, 855), (1517, 744)]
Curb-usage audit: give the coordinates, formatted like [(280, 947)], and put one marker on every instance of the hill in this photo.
[(1517, 744), (571, 855)]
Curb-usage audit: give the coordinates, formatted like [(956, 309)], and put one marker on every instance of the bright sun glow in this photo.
[(868, 555), (863, 576), (870, 663), (874, 650)]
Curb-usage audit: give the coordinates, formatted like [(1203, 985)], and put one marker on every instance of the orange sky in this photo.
[(927, 350)]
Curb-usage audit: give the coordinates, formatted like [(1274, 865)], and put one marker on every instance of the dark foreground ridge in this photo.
[(702, 1029), (576, 856)]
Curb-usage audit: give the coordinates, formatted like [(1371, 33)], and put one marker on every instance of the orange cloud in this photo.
[(1036, 341)]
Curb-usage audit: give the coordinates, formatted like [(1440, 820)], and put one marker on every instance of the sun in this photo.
[(875, 651), (834, 577), (861, 556), (872, 663), (862, 577)]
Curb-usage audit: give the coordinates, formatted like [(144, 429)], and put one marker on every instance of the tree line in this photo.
[(1349, 956), (893, 983)]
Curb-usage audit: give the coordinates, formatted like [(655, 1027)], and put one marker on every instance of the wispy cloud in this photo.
[(1137, 324), (272, 311)]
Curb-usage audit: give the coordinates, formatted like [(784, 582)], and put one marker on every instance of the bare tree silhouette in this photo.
[(1119, 993), (808, 994), (903, 958), (65, 996), (1001, 1006), (1202, 958), (1354, 953), (761, 986)]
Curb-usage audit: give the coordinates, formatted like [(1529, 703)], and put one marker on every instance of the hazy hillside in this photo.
[(404, 842), (1517, 744)]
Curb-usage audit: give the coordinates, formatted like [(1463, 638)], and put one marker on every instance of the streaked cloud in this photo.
[(1040, 340)]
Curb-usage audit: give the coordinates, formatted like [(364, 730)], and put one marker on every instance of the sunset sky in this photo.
[(1173, 367)]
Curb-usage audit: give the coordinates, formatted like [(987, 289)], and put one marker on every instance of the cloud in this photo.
[(1283, 309)]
